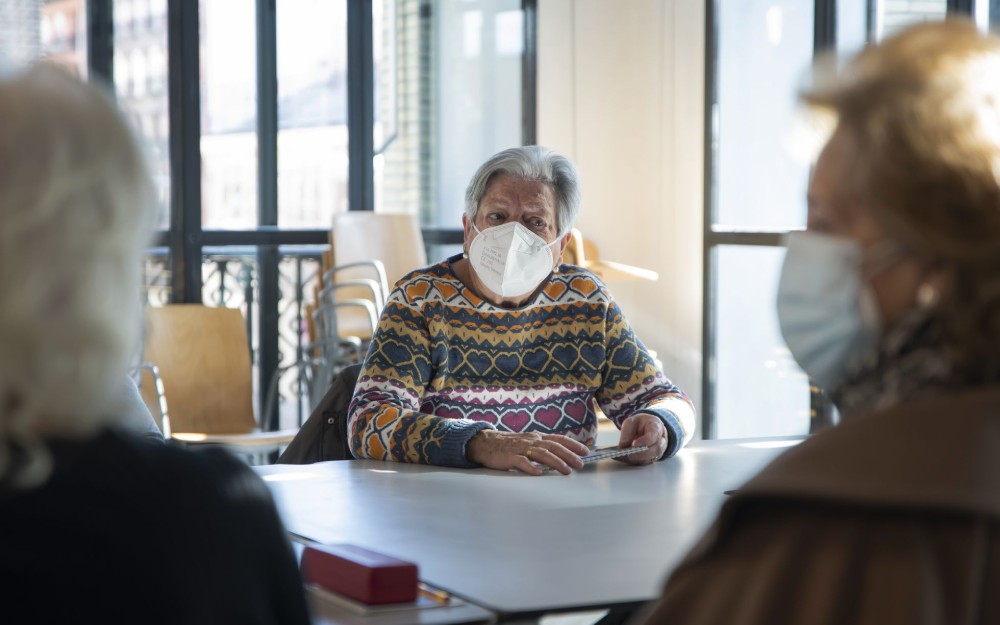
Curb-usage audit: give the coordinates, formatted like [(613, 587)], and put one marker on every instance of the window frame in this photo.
[(824, 38), (186, 238)]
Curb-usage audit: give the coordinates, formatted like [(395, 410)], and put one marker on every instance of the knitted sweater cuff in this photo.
[(676, 436), (458, 434)]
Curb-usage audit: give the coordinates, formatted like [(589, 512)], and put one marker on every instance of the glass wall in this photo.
[(764, 49), (55, 30), (761, 184), (760, 390), (228, 114), (448, 94), (140, 77), (891, 15), (312, 111), (760, 187)]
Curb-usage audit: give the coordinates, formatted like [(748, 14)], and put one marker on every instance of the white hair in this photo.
[(76, 211), (535, 163)]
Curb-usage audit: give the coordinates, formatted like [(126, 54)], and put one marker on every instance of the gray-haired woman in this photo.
[(96, 522), (501, 356), (891, 300)]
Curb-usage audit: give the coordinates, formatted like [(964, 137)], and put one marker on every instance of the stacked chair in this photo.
[(368, 253)]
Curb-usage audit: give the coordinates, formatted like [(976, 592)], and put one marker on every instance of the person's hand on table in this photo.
[(525, 451), (643, 429)]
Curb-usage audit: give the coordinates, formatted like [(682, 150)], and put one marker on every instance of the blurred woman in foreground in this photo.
[(891, 300), (99, 524)]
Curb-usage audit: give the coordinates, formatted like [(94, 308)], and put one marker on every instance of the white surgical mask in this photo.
[(510, 260), (828, 313)]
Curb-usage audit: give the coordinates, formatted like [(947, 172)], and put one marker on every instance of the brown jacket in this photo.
[(891, 518)]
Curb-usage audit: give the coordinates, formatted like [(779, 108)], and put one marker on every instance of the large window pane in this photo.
[(403, 106), (312, 111), (55, 30), (228, 114), (759, 390), (764, 48), (140, 76), (453, 95), (64, 33), (852, 26), (892, 15)]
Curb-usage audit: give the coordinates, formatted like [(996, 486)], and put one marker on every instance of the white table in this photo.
[(517, 544)]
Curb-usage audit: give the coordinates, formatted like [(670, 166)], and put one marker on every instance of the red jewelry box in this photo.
[(361, 574)]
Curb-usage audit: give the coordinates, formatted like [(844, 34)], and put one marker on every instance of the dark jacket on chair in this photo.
[(324, 434)]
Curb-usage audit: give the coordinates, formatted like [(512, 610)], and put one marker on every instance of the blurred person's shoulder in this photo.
[(124, 514), (869, 498), (147, 472)]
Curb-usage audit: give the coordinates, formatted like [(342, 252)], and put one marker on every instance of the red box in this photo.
[(361, 574)]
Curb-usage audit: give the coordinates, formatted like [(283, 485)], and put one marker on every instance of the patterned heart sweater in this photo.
[(445, 363)]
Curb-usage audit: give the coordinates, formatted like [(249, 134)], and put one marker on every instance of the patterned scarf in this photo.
[(911, 360)]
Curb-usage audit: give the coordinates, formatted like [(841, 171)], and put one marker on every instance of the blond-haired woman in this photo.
[(890, 299), (96, 522)]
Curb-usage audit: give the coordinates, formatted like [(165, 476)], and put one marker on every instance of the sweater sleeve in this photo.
[(384, 419), (633, 383)]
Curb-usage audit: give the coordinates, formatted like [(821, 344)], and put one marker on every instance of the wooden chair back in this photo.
[(204, 361), (579, 251), (394, 239)]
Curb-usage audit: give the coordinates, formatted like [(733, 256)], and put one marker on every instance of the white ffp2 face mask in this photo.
[(828, 315), (510, 260)]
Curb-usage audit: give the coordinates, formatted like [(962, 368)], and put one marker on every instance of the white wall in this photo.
[(621, 92)]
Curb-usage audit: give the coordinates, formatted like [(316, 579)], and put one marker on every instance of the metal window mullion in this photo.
[(964, 7), (268, 258), (824, 38), (824, 25), (360, 106), (757, 239), (266, 236), (708, 421), (100, 40), (529, 74), (871, 27), (183, 58), (267, 114)]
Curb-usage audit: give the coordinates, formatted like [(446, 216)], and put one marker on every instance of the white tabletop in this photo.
[(515, 543)]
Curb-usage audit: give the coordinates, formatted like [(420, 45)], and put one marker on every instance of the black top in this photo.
[(130, 531)]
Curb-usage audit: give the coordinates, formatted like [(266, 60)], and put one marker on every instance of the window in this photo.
[(312, 112), (891, 15), (449, 74), (140, 75), (257, 243), (760, 189), (53, 30), (228, 114), (752, 386)]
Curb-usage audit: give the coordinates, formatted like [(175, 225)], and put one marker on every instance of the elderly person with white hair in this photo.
[(891, 299), (501, 356), (97, 522)]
